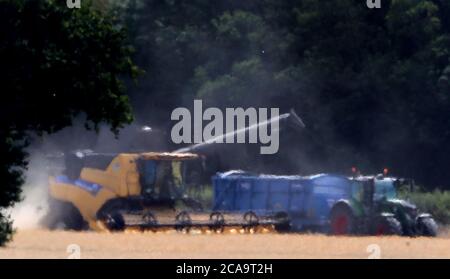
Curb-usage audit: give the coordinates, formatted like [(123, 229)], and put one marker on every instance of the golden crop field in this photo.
[(171, 244)]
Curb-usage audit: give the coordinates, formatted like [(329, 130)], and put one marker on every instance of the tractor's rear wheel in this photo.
[(341, 221), (388, 226), (427, 227)]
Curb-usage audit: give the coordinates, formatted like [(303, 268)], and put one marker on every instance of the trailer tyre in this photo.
[(341, 220), (427, 227), (388, 226), (251, 220), (283, 222)]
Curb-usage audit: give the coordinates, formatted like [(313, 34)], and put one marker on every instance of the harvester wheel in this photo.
[(341, 220), (427, 227), (63, 215), (114, 221), (388, 226)]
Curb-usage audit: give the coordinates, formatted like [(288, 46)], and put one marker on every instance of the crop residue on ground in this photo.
[(177, 245)]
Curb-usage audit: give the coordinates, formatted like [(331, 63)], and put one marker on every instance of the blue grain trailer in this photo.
[(306, 200)]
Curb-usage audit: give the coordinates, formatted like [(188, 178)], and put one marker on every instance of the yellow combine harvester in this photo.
[(130, 185)]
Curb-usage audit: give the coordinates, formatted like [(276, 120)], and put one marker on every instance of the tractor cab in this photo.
[(388, 187), (382, 187), (378, 200), (385, 187)]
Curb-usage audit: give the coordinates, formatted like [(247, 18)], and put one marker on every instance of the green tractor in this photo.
[(413, 222), (375, 209)]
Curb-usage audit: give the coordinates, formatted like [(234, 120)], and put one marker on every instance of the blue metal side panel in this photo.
[(223, 194), (298, 196), (308, 200), (243, 194), (260, 194), (279, 195)]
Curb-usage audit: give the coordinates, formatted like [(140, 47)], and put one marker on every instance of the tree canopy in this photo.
[(57, 63)]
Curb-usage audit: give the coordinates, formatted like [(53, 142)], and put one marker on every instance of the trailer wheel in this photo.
[(251, 221), (388, 226), (427, 227), (283, 222), (341, 220)]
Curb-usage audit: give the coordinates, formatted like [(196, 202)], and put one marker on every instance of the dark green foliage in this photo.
[(56, 64), (6, 229)]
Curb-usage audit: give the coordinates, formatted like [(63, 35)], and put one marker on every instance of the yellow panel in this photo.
[(87, 203), (129, 175), (103, 178)]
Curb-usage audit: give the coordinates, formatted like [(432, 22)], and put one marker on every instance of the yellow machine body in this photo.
[(95, 187)]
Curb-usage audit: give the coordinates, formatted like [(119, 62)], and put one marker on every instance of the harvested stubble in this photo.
[(171, 244)]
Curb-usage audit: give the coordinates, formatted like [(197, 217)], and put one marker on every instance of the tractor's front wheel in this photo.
[(388, 226), (427, 227)]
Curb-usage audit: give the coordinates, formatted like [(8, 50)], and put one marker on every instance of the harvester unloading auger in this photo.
[(142, 191)]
